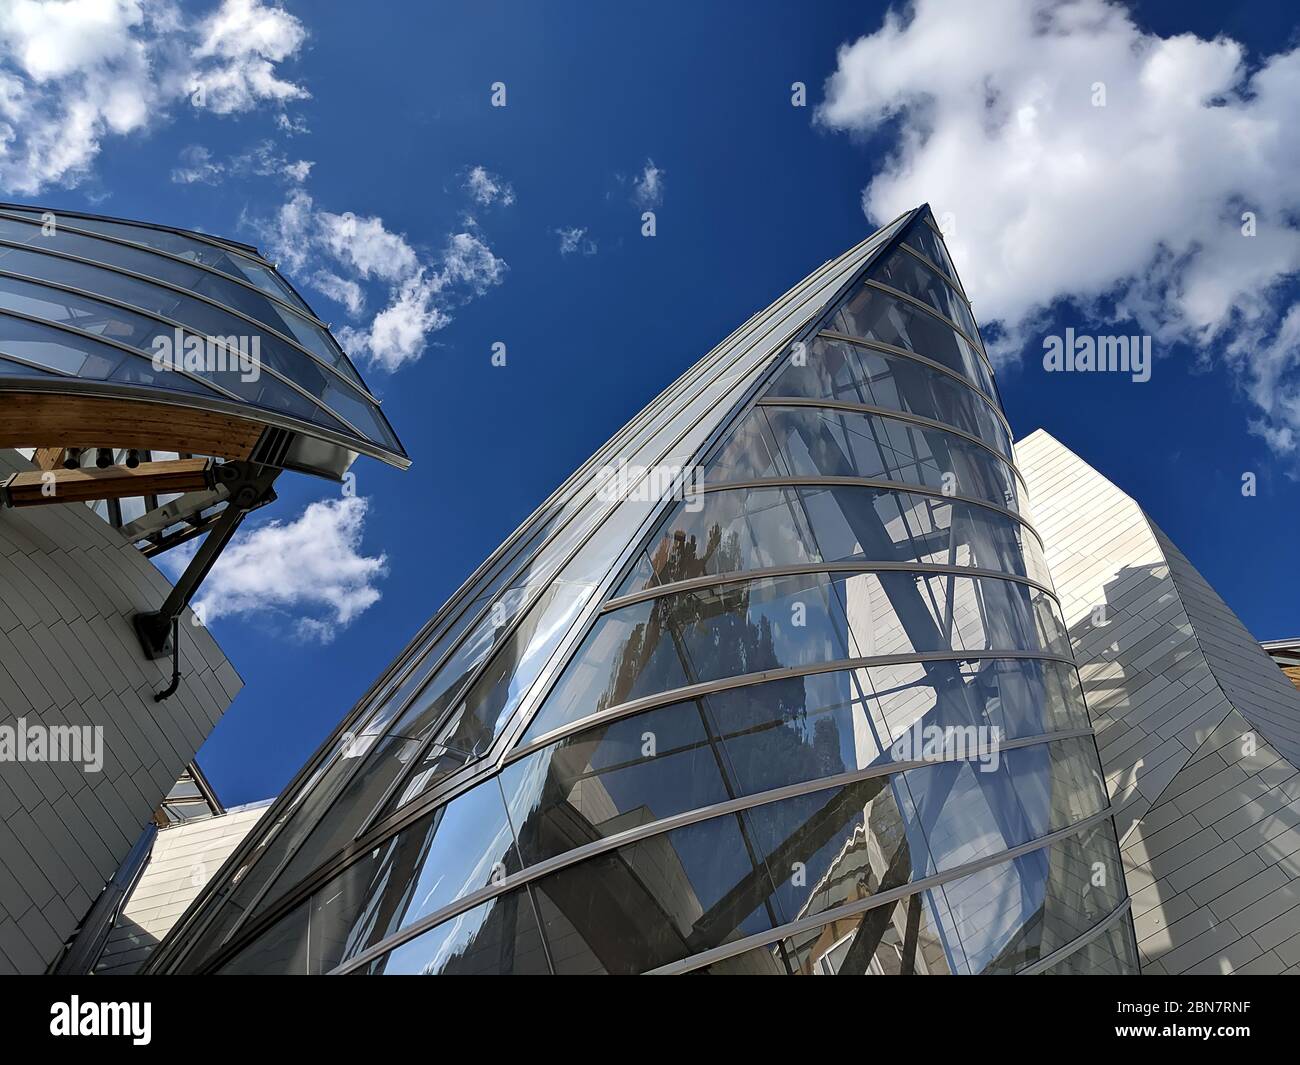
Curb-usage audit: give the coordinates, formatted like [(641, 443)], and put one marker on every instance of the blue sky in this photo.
[(687, 108)]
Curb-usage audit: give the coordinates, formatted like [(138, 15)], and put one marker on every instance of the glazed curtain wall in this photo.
[(665, 736), (94, 299)]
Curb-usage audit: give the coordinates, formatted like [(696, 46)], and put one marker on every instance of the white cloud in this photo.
[(486, 188), (241, 43), (198, 166), (419, 290), (366, 246), (313, 566), (75, 73), (341, 290), (1132, 209), (574, 240), (292, 126), (648, 187)]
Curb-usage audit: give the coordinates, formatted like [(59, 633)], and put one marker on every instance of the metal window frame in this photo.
[(161, 254), (690, 384), (262, 366), (894, 415), (262, 327), (884, 898), (833, 481), (222, 243), (1079, 942), (797, 569), (924, 360), (658, 700), (664, 825)]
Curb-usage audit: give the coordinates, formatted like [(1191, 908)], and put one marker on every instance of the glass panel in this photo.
[(280, 951), (696, 753), (459, 848), (995, 922), (761, 961), (834, 847), (496, 694), (654, 902), (1009, 916), (872, 314), (170, 303), (614, 778), (500, 937), (668, 897), (908, 274), (725, 631), (227, 261), (761, 528), (836, 369), (88, 359), (1113, 953), (191, 278), (17, 369), (231, 364), (924, 239), (901, 938), (812, 442)]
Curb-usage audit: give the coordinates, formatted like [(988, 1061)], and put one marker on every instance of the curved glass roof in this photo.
[(115, 306)]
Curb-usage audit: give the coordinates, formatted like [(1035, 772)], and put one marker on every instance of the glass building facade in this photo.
[(109, 308), (776, 683)]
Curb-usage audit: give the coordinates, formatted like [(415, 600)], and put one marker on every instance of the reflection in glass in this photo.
[(500, 937), (706, 634), (873, 314), (852, 373), (807, 442), (743, 529)]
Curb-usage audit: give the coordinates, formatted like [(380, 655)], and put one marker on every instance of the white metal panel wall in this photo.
[(1185, 704), (69, 584)]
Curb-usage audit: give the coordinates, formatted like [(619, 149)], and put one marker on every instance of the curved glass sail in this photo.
[(775, 683), (134, 310)]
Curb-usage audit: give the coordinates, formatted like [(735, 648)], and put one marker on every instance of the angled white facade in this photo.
[(69, 657), (1198, 729)]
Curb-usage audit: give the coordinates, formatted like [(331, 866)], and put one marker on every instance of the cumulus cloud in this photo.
[(78, 72), (1075, 156), (574, 240), (313, 568), (420, 290), (486, 188), (648, 187), (198, 166)]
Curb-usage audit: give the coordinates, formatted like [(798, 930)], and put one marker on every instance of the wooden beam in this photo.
[(87, 421), (41, 487), (49, 458)]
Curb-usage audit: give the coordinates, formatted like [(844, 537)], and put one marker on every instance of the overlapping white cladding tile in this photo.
[(184, 858), (1198, 730), (69, 657)]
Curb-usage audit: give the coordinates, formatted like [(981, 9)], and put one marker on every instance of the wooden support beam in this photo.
[(49, 458), (41, 487), (90, 421)]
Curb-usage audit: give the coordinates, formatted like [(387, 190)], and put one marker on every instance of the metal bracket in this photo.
[(249, 485)]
